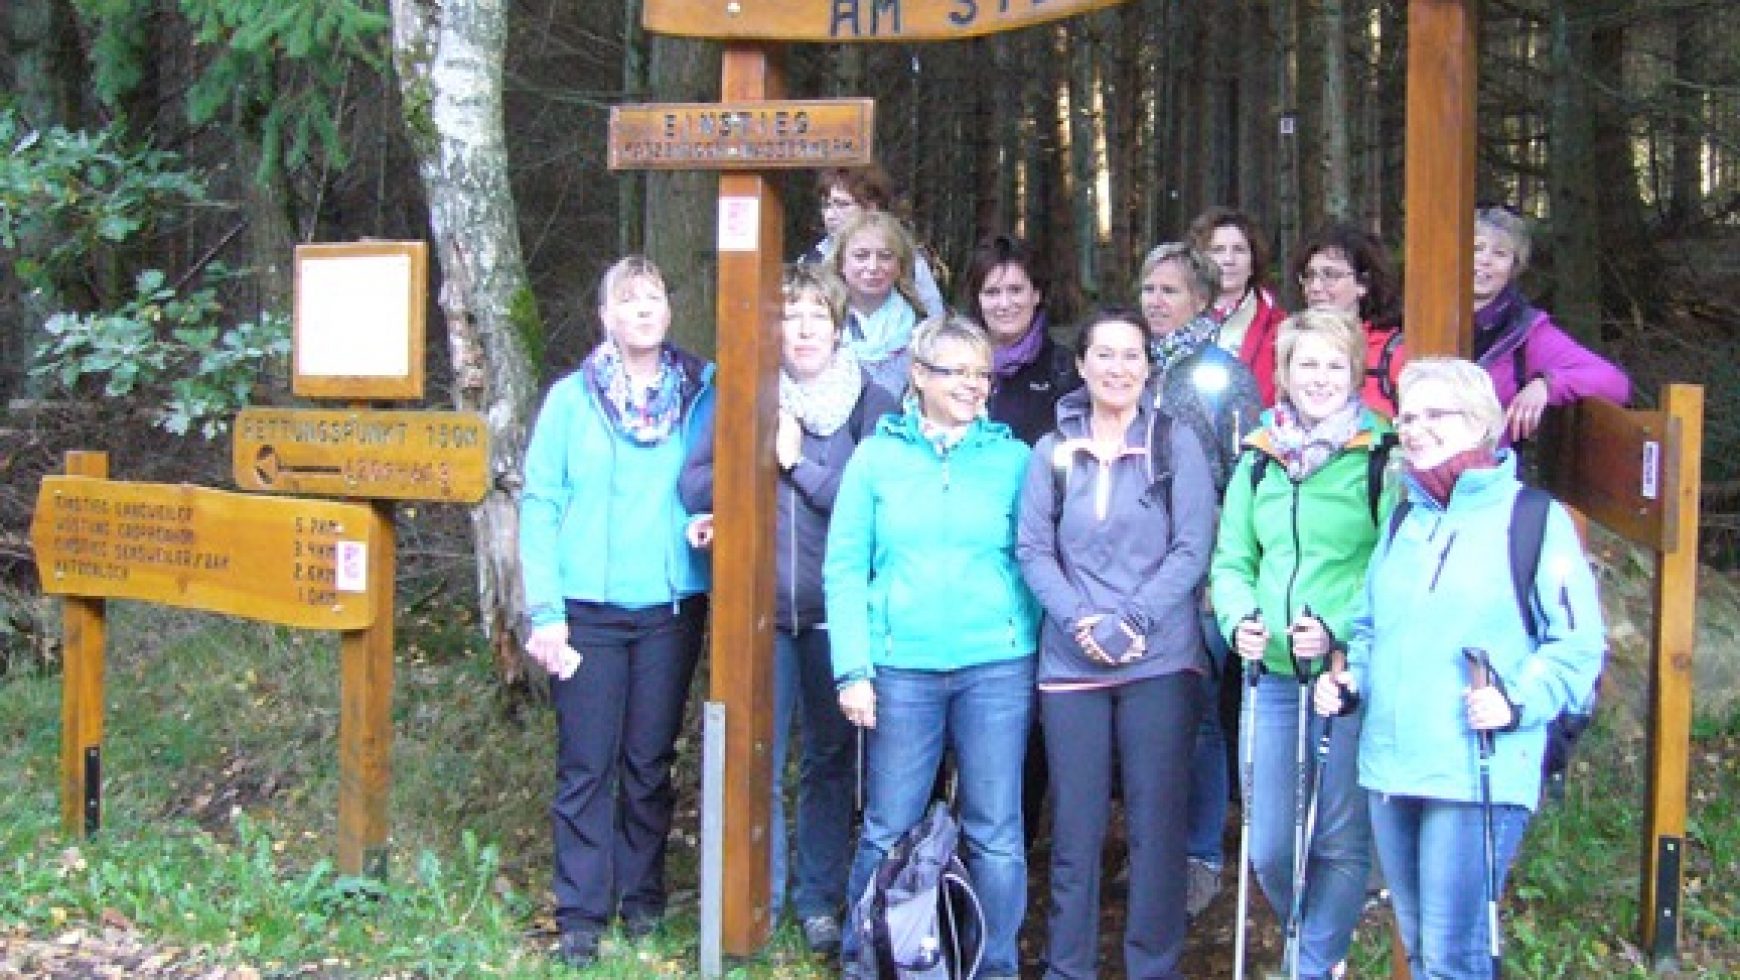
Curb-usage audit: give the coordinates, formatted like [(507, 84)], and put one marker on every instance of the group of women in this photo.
[(1199, 480)]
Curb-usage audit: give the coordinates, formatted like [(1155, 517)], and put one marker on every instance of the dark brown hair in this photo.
[(1217, 217), (991, 253), (1381, 304)]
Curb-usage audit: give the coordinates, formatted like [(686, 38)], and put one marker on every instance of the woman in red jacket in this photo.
[(1344, 268), (1248, 313)]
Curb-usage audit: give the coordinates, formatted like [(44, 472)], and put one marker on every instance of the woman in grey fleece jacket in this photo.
[(1116, 528)]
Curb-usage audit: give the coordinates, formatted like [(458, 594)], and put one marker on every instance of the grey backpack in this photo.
[(919, 918)]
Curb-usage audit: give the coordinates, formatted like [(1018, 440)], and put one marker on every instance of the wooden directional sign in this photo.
[(278, 559), (742, 135), (1619, 467), (365, 453), (837, 21)]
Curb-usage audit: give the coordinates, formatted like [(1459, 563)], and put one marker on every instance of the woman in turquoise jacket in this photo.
[(1437, 588), (617, 600), (1301, 515), (933, 629)]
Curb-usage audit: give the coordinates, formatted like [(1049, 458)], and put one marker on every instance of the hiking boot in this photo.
[(638, 926), (578, 948), (822, 934), (1201, 884)]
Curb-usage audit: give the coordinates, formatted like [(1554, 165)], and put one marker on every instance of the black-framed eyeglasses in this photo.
[(1430, 416), (956, 373)]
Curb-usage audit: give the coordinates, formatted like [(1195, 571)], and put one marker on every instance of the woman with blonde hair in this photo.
[(874, 260), (933, 631), (617, 601), (1301, 516), (1455, 676)]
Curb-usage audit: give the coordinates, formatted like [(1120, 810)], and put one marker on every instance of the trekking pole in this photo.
[(1247, 776), (1480, 676), (1301, 788)]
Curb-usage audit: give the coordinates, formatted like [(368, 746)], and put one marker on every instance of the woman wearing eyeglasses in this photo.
[(1344, 268), (933, 630), (1297, 529), (1117, 522), (845, 193), (1534, 364), (874, 260), (1248, 313), (1439, 589)]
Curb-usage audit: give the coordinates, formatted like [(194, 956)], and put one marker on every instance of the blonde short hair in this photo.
[(1201, 274), (1470, 387), (818, 282), (1511, 225), (623, 273), (1340, 330), (932, 333)]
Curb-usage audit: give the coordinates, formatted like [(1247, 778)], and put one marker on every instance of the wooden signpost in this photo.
[(742, 136), (363, 453), (838, 21), (309, 563)]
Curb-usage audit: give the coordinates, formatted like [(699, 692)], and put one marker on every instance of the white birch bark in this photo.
[(448, 56)]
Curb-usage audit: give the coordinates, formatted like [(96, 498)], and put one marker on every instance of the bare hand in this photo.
[(1487, 709), (700, 532), (1326, 696), (788, 441), (1310, 638), (858, 703), (549, 648), (1524, 415), (1251, 639)]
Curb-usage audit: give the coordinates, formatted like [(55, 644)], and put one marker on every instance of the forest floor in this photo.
[(220, 786)]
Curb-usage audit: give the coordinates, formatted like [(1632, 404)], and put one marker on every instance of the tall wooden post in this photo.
[(1670, 689), (365, 714), (751, 221), (1439, 229), (85, 636)]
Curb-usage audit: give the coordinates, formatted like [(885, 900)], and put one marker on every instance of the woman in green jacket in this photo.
[(1301, 515)]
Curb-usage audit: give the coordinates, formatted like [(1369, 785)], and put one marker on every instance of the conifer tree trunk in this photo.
[(448, 55)]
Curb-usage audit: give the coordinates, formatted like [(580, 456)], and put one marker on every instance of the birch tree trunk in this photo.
[(448, 56)]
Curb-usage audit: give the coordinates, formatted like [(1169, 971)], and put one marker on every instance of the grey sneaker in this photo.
[(1201, 884), (822, 934)]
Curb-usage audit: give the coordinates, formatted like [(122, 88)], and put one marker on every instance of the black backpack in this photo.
[(1527, 534)]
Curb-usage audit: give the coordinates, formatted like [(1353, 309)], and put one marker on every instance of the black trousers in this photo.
[(617, 720)]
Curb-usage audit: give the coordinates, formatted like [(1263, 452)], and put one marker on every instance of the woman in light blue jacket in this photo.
[(1438, 590), (617, 600), (933, 629)]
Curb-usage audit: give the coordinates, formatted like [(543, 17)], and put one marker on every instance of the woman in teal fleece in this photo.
[(1437, 588), (617, 601), (1296, 531), (933, 629)]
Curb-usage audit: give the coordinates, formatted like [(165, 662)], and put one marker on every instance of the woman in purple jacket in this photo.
[(1533, 363)]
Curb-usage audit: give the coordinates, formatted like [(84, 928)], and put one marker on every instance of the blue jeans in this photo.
[(1148, 727), (982, 714), (1340, 849), (803, 684), (1209, 781), (1434, 857)]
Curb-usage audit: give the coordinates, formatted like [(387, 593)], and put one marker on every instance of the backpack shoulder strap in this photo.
[(1259, 467), (1160, 449), (1377, 465), (1528, 531), (1386, 357)]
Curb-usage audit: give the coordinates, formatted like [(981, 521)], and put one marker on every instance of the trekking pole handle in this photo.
[(1480, 678)]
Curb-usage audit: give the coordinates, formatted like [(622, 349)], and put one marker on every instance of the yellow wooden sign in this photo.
[(277, 559), (742, 135), (368, 454), (838, 21)]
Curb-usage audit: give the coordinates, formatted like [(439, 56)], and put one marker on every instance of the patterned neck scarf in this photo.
[(644, 414), (824, 403), (1305, 451), (943, 438), (1182, 343)]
